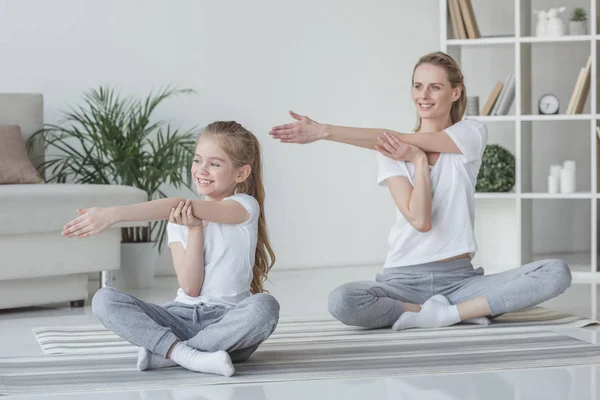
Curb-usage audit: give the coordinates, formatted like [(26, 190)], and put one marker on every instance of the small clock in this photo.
[(548, 104)]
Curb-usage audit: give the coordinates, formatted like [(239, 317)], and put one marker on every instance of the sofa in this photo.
[(37, 264)]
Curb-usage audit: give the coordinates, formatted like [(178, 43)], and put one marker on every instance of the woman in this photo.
[(428, 279)]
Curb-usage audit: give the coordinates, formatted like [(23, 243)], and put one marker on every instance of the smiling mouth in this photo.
[(425, 106), (203, 182)]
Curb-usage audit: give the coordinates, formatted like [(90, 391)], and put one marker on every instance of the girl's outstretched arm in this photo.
[(305, 130), (95, 220)]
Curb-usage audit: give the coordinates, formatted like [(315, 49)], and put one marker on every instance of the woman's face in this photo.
[(432, 93)]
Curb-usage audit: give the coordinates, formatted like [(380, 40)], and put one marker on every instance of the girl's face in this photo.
[(213, 171), (432, 93)]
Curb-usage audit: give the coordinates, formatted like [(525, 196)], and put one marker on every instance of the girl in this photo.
[(221, 254), (428, 279)]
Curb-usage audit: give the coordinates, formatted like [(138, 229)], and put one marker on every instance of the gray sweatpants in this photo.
[(238, 329), (379, 304)]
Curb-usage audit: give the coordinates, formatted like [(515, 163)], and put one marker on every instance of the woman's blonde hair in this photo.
[(455, 77), (243, 149)]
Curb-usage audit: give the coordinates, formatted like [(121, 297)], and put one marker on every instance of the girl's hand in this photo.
[(304, 131), (183, 215), (90, 222), (393, 148)]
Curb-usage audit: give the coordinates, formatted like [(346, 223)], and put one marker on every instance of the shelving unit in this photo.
[(525, 204)]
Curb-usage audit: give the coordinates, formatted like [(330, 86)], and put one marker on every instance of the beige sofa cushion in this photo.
[(28, 209), (15, 166)]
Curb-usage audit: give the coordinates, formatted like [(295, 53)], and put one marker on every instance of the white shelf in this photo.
[(506, 40), (566, 38), (510, 216), (581, 195), (558, 117), (535, 196), (482, 41)]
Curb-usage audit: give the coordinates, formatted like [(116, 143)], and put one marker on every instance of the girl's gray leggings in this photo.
[(238, 329), (379, 304)]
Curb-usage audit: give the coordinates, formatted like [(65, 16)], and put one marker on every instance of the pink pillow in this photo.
[(15, 166)]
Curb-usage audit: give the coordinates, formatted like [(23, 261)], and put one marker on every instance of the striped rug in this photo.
[(317, 349), (95, 339)]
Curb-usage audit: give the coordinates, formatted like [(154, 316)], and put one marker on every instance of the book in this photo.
[(468, 15), (508, 98), (581, 89), (492, 99), (502, 94), (571, 106), (583, 93), (456, 18), (453, 20)]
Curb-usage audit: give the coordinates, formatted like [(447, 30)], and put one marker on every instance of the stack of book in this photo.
[(463, 20), (580, 92), (501, 98)]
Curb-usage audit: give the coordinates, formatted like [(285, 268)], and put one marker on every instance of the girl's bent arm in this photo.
[(189, 262)]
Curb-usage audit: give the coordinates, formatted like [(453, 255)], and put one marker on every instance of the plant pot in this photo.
[(577, 27), (137, 265)]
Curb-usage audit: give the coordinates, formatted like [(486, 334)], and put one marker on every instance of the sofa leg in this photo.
[(77, 303)]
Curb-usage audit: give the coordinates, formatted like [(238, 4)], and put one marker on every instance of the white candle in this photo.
[(555, 170), (567, 180), (569, 164), (553, 183)]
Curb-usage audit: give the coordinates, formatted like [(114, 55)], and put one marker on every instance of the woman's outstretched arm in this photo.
[(305, 130), (95, 220)]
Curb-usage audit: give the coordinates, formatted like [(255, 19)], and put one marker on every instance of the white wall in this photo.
[(340, 61)]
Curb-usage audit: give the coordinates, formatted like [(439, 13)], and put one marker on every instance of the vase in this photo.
[(577, 27), (137, 265)]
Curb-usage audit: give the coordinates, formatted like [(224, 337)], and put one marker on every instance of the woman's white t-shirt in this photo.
[(453, 179), (229, 252)]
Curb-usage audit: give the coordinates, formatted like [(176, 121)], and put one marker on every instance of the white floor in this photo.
[(305, 292)]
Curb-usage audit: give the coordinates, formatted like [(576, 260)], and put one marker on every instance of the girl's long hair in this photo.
[(244, 149)]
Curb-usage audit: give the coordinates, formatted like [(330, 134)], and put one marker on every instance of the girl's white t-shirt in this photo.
[(229, 252), (453, 179)]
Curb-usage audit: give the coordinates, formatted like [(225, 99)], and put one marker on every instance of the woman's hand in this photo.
[(183, 215), (393, 148), (304, 131), (90, 222)]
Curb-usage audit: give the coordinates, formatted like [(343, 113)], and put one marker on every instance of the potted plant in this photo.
[(497, 172), (112, 140), (578, 22)]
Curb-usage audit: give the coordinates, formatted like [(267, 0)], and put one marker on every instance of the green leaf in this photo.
[(497, 172), (110, 139)]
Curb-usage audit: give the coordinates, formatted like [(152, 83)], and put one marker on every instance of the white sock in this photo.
[(146, 360), (435, 313), (473, 321), (218, 363)]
